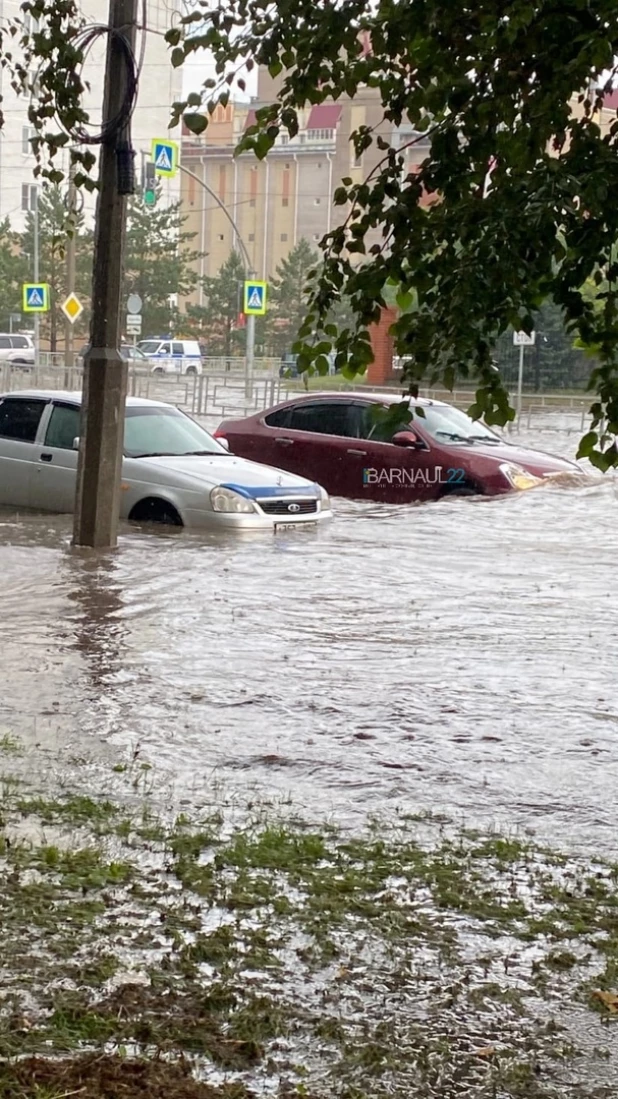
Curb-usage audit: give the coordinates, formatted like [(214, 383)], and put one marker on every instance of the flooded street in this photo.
[(457, 658)]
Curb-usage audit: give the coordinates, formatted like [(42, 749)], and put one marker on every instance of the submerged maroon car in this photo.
[(389, 448)]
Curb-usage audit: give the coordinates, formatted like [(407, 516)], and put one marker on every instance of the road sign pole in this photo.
[(250, 356), (520, 383), (37, 326), (104, 392)]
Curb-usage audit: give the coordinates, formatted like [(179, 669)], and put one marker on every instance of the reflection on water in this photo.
[(458, 656)]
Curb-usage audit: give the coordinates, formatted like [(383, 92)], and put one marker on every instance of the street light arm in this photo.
[(246, 256)]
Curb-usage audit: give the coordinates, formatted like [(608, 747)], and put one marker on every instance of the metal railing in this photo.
[(217, 392)]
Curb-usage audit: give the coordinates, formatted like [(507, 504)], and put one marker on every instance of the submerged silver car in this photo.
[(173, 471)]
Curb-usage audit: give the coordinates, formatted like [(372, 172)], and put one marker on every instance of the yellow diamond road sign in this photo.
[(72, 308)]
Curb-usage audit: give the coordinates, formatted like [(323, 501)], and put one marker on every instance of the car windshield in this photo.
[(151, 430), (149, 346), (446, 423)]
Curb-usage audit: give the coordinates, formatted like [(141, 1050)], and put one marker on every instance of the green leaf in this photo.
[(177, 57), (196, 123)]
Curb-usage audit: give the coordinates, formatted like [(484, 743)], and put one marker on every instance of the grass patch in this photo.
[(374, 957)]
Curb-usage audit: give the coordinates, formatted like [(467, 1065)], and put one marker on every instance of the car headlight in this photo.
[(225, 499), (325, 498), (518, 477)]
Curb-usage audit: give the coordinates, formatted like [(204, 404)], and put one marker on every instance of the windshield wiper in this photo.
[(454, 436), (156, 454), (216, 453), (483, 439)]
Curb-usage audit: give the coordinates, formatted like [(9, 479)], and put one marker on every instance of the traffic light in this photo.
[(149, 185)]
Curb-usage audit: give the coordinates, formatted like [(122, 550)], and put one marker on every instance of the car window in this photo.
[(5, 341), (177, 349), (20, 418), (150, 347), (63, 426), (165, 349), (279, 418), (19, 341), (380, 422), (325, 418)]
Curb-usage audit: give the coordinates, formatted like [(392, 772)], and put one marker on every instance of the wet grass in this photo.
[(339, 965)]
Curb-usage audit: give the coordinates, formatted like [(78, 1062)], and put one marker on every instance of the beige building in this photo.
[(285, 198)]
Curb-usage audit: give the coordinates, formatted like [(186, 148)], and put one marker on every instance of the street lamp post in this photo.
[(249, 274)]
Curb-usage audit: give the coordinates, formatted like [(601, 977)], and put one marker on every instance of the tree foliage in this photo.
[(159, 262), (13, 273), (482, 81), (55, 225), (288, 297), (216, 321)]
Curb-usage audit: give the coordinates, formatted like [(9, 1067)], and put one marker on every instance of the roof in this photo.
[(325, 116), (74, 396)]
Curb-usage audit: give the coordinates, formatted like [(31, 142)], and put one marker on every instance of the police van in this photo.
[(172, 356)]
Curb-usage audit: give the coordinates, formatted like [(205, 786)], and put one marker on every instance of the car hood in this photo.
[(535, 461), (223, 469)]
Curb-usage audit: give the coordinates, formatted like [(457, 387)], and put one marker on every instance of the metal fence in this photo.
[(226, 393)]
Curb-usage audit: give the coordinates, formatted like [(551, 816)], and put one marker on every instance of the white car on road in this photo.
[(173, 471)]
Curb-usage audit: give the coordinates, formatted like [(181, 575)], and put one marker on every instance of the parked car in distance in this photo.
[(289, 365), (389, 448), (132, 355), (173, 356), (173, 471), (17, 348)]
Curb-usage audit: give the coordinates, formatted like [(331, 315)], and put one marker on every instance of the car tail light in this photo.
[(218, 434)]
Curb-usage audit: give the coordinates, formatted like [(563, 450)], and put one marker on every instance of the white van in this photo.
[(173, 356)]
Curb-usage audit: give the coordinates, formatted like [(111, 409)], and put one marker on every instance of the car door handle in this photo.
[(285, 442), (359, 453), (46, 457)]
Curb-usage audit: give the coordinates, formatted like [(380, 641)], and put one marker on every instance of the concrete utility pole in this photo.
[(69, 352), (105, 374)]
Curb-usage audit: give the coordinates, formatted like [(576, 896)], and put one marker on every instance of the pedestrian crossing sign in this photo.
[(35, 297), (165, 157), (255, 298)]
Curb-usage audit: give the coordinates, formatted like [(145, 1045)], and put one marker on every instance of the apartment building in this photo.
[(276, 202), (159, 86)]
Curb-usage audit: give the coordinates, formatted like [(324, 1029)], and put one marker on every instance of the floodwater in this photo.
[(458, 657)]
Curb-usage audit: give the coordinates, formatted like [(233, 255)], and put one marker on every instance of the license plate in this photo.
[(295, 526)]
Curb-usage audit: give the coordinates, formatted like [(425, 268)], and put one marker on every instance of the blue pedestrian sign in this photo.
[(255, 298), (165, 157), (35, 297)]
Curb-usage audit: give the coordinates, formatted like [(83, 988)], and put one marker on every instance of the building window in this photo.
[(26, 133), (28, 196), (321, 135), (285, 202), (220, 236), (251, 236), (316, 236), (317, 202), (358, 160), (284, 236)]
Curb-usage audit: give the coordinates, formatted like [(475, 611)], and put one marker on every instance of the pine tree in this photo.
[(158, 263), (288, 296), (13, 273), (54, 227), (217, 320)]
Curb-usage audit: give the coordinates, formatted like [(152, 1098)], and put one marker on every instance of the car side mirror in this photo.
[(76, 443), (409, 439)]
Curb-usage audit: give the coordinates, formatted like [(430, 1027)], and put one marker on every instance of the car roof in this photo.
[(74, 397), (369, 395)]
